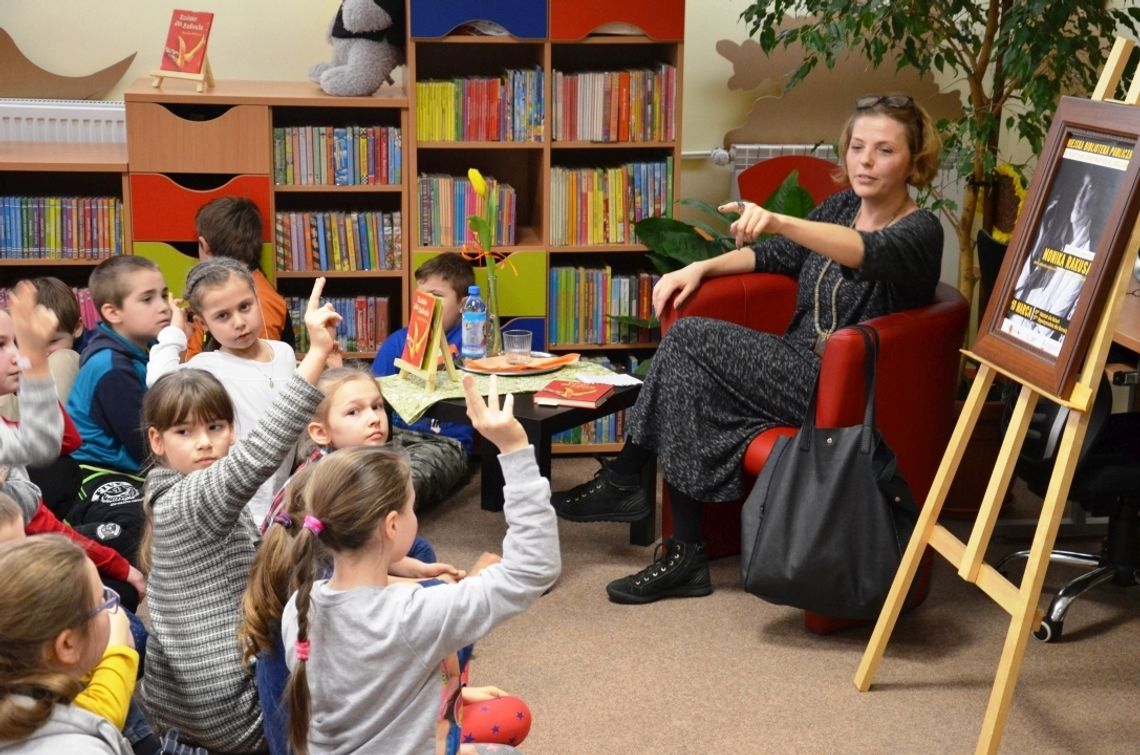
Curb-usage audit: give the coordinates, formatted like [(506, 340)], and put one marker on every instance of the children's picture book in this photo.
[(425, 309), (185, 49), (573, 393)]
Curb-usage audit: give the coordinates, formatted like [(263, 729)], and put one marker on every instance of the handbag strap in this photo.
[(870, 359)]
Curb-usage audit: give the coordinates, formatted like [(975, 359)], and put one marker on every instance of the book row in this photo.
[(608, 429), (84, 228), (363, 327), (600, 205), (337, 155), (615, 106), (505, 108), (88, 315), (584, 302), (313, 241), (447, 201)]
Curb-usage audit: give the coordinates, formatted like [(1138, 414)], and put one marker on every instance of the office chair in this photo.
[(1106, 482)]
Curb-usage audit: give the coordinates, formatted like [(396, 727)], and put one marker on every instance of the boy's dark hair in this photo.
[(108, 282), (231, 227), (60, 299), (453, 268)]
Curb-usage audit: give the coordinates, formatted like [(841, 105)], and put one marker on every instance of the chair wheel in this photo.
[(1049, 630)]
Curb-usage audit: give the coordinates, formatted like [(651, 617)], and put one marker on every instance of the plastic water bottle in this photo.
[(474, 313)]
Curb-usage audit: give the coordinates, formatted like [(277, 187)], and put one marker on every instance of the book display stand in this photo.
[(425, 342), (1020, 601), (204, 79), (184, 55)]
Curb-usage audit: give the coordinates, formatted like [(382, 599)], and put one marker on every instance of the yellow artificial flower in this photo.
[(477, 181), (1018, 184)]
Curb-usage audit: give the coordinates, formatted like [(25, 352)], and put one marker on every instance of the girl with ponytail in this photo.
[(366, 653)]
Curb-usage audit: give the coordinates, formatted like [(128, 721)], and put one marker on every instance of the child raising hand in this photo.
[(375, 649)]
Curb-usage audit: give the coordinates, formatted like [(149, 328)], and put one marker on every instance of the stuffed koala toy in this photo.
[(367, 38)]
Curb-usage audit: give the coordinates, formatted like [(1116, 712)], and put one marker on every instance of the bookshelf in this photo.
[(592, 40), (326, 172), (45, 229)]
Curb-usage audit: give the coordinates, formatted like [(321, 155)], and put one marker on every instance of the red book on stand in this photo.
[(185, 48), (573, 393)]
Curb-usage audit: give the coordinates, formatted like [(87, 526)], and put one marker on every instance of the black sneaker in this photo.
[(606, 498), (679, 570)]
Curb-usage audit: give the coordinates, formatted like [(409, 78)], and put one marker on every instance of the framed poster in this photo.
[(1077, 220)]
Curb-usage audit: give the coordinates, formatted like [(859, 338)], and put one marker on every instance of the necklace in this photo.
[(822, 335)]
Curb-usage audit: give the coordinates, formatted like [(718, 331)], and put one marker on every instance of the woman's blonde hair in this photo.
[(185, 395), (922, 138), (37, 601), (351, 492)]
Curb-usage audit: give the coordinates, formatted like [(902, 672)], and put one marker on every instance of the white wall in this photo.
[(280, 39)]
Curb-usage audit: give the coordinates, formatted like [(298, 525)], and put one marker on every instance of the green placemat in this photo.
[(407, 396)]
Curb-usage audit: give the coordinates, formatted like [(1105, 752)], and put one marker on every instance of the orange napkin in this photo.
[(499, 363)]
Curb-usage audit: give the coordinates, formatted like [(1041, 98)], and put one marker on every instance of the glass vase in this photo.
[(494, 334)]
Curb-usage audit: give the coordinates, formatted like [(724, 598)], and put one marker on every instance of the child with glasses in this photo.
[(109, 686), (200, 543), (57, 625), (366, 653)]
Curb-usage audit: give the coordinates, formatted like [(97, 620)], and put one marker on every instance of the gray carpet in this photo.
[(730, 673)]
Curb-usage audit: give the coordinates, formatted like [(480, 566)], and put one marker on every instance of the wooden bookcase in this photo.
[(185, 148), (30, 169), (553, 36)]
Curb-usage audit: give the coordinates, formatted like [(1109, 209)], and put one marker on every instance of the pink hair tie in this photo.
[(302, 648), (314, 525)]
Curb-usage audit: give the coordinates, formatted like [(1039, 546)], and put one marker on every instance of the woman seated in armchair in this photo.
[(713, 386)]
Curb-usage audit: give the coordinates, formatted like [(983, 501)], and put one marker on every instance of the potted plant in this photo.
[(1014, 59), (674, 243)]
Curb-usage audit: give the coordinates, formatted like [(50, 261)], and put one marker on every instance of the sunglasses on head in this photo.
[(897, 101)]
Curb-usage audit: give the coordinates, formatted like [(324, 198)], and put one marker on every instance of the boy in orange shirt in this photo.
[(231, 227)]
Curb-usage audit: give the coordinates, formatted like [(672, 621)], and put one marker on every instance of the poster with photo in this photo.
[(1076, 211), (1067, 246)]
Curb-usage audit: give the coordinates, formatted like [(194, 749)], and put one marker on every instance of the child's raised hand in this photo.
[(321, 321), (496, 425), (34, 324)]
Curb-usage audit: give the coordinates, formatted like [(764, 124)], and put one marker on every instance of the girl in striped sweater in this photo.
[(199, 546)]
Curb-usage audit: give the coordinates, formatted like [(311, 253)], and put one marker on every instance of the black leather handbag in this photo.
[(826, 523)]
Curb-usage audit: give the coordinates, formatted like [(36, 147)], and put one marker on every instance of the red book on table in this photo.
[(573, 393)]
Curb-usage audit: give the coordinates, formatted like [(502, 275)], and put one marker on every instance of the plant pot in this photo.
[(965, 495)]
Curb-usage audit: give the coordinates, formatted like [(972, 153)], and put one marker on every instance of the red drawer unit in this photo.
[(163, 210), (659, 19)]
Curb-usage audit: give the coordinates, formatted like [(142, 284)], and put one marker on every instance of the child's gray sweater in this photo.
[(201, 555), (34, 441), (374, 662)]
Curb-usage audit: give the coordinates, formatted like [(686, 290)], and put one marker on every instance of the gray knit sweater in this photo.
[(34, 441), (201, 555)]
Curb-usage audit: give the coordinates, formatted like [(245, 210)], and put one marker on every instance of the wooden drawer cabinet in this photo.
[(165, 210), (198, 138)]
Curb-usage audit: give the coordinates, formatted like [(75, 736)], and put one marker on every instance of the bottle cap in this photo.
[(472, 290)]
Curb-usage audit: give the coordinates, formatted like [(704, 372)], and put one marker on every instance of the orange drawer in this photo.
[(162, 210), (198, 138), (659, 19)]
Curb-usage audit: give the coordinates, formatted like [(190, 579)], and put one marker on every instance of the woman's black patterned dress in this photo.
[(713, 386)]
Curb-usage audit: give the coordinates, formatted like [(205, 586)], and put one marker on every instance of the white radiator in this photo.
[(62, 121)]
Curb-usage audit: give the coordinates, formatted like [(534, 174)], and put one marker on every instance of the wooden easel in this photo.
[(1019, 601), (428, 370), (204, 79)]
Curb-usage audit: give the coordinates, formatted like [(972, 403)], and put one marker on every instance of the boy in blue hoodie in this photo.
[(106, 400), (443, 449)]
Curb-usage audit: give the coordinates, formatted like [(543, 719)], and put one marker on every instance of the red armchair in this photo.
[(916, 381)]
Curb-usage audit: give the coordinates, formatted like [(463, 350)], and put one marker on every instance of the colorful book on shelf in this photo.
[(573, 393), (185, 48)]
